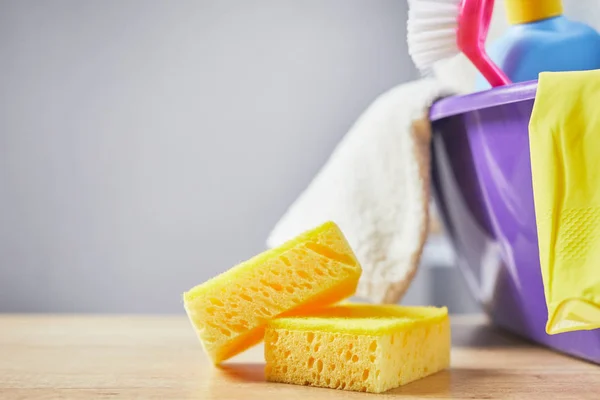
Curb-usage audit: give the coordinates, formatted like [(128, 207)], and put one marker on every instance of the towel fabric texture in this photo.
[(375, 186)]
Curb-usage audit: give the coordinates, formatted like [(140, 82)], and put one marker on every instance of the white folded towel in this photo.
[(375, 186)]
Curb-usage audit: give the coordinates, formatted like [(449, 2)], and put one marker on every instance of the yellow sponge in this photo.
[(358, 347), (230, 311)]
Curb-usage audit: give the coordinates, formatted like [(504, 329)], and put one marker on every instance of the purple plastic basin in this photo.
[(482, 185)]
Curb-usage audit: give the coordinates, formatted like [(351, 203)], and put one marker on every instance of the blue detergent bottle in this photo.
[(540, 38)]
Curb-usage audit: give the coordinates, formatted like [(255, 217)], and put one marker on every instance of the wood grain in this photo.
[(91, 357)]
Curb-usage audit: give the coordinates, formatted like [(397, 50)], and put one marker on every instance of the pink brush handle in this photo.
[(490, 71), (473, 26)]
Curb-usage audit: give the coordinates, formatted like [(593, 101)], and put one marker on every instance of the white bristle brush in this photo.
[(440, 29)]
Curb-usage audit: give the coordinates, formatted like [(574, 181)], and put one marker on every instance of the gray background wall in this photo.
[(146, 146)]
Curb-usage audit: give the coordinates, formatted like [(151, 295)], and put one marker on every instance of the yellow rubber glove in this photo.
[(564, 138)]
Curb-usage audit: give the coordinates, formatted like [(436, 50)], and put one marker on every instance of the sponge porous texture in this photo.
[(230, 311), (358, 347)]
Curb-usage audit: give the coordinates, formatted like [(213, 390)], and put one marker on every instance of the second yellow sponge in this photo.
[(358, 347)]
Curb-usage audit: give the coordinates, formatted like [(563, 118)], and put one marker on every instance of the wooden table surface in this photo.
[(90, 357)]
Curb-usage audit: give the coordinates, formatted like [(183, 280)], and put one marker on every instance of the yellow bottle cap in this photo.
[(524, 11)]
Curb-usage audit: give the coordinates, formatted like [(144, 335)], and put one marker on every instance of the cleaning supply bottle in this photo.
[(539, 39)]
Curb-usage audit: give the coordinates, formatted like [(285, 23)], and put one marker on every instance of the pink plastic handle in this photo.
[(473, 25)]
